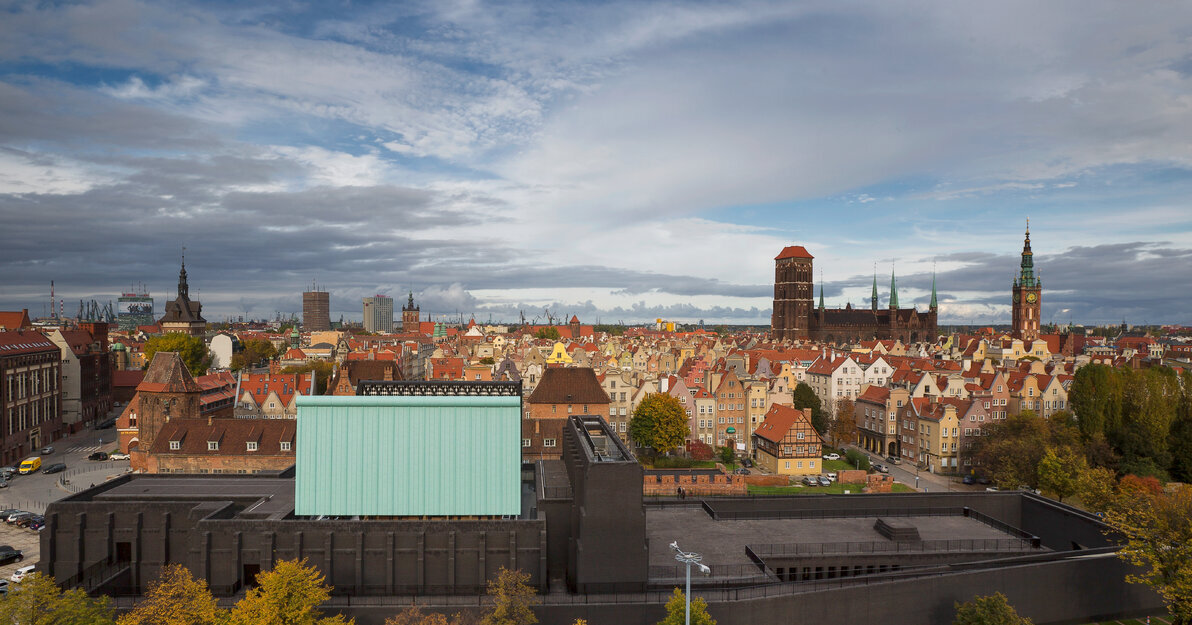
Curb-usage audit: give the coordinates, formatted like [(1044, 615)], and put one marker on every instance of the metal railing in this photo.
[(864, 548)]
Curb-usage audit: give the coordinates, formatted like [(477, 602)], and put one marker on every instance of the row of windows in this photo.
[(214, 445), (550, 442)]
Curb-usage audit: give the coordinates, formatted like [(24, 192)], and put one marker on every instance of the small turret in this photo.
[(934, 305), (873, 297)]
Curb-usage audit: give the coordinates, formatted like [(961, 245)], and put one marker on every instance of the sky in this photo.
[(620, 161)]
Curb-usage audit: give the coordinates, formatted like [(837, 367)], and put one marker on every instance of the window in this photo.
[(525, 442), (251, 445), (623, 426), (788, 464), (800, 464), (212, 445), (175, 445), (811, 464), (799, 435), (285, 445), (548, 442)]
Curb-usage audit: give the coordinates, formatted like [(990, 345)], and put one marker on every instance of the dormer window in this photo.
[(285, 445), (175, 445), (212, 445), (251, 445)]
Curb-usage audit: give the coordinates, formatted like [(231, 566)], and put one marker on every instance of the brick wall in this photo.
[(214, 463), (699, 485), (878, 483), (851, 476)]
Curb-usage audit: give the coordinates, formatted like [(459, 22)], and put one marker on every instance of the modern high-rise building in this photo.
[(316, 311), (378, 314)]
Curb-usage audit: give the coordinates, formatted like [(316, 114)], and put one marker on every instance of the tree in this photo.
[(805, 398), (40, 602), (700, 450), (844, 425), (1097, 488), (414, 615), (1059, 472), (1096, 398), (727, 455), (659, 422), (1157, 530), (252, 353), (857, 459), (322, 369), (175, 598), (547, 332), (191, 349), (676, 610), (290, 594), (512, 598), (992, 609)]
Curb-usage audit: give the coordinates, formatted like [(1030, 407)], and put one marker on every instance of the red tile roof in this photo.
[(24, 342), (779, 420), (793, 251)]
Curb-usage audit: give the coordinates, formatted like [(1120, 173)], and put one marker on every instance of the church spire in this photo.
[(893, 289), (821, 290), (1026, 275), (183, 288), (873, 298)]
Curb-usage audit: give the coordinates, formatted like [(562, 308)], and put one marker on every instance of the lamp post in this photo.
[(688, 558)]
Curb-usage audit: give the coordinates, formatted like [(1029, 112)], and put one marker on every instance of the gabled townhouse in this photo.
[(787, 444), (731, 412), (876, 413), (271, 395), (705, 416)]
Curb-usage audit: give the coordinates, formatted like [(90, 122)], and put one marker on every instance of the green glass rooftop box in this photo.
[(408, 456)]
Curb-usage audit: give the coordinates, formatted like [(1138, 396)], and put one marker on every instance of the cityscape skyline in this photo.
[(620, 162)]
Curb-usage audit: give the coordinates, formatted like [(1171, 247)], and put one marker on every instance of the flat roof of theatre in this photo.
[(722, 542), (260, 496)]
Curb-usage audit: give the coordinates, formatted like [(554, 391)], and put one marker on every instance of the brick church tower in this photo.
[(1028, 295), (409, 316), (792, 294), (167, 392)]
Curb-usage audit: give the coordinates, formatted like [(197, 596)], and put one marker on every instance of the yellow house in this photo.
[(939, 438), (787, 444), (558, 355)]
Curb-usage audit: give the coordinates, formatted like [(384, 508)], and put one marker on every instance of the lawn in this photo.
[(832, 466), (835, 489)]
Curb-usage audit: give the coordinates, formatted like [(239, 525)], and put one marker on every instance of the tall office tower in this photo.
[(378, 314), (316, 311)]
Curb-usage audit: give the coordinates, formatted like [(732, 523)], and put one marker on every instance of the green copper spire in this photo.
[(873, 298), (893, 290), (934, 305), (821, 290), (1026, 276)]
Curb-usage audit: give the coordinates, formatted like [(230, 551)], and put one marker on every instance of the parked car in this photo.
[(3, 587), (894, 460), (880, 468), (3, 483), (992, 489), (809, 480), (983, 480), (831, 477), (747, 462), (7, 511), (45, 451), (8, 472), (99, 455), (832, 456), (742, 471), (29, 519), (117, 456), (968, 479), (16, 516), (824, 481), (38, 524), (8, 554), (21, 573), (57, 467)]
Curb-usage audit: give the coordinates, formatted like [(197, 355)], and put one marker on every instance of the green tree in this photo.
[(992, 609), (727, 455), (175, 598), (513, 599), (547, 332), (1181, 433), (1096, 398), (1060, 471), (191, 349), (805, 398), (290, 594), (252, 353), (1150, 399), (1157, 532), (322, 369), (659, 422), (1097, 489), (676, 610), (40, 602)]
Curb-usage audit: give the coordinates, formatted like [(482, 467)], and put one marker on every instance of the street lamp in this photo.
[(689, 558)]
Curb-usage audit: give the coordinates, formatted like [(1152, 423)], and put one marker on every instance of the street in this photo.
[(35, 491), (927, 482)]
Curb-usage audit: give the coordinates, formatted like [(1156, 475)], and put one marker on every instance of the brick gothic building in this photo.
[(563, 392), (795, 318), (172, 435), (1028, 295)]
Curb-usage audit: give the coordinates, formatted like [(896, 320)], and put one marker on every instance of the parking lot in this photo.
[(27, 541)]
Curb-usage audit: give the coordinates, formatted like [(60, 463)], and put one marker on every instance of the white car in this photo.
[(832, 456), (117, 456), (20, 573)]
